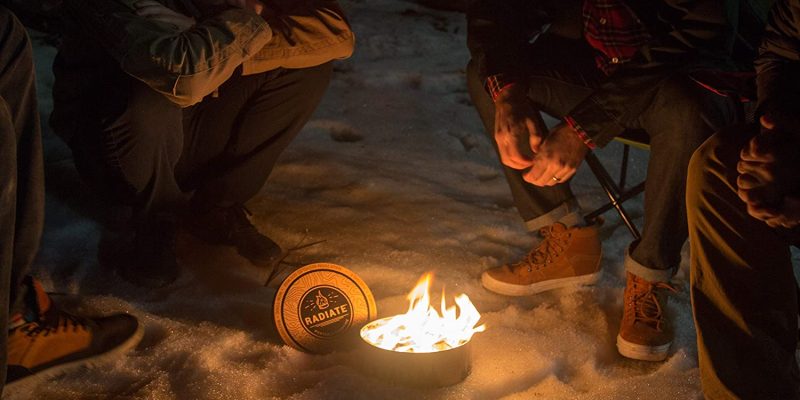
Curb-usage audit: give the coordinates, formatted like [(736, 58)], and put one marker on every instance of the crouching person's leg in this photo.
[(232, 143), (128, 141), (743, 289)]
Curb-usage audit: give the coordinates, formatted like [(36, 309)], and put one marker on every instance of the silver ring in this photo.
[(557, 179)]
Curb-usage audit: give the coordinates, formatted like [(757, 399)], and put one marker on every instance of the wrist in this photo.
[(500, 87), (580, 132)]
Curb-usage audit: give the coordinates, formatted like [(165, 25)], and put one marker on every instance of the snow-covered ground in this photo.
[(395, 174)]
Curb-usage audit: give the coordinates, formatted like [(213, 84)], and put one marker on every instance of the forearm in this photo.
[(305, 34), (184, 66)]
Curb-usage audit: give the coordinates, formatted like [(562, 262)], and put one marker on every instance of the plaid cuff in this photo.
[(495, 84), (580, 132)]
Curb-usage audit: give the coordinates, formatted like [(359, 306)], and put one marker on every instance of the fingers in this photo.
[(535, 138), (755, 174), (548, 172), (788, 216), (758, 149), (767, 122), (512, 140), (541, 171)]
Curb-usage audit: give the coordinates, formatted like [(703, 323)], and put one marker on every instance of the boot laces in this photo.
[(553, 244), (59, 321), (647, 307)]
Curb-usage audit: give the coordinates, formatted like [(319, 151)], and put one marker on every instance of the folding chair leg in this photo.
[(623, 169), (612, 191)]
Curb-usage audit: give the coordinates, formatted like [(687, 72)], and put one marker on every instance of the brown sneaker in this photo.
[(564, 257), (44, 341), (645, 333)]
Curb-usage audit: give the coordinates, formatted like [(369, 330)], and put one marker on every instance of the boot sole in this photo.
[(642, 352), (510, 289), (27, 383)]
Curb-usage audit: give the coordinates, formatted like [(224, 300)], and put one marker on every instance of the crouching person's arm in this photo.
[(305, 33), (184, 63)]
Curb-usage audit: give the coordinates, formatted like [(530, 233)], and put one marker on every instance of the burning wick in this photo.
[(423, 329)]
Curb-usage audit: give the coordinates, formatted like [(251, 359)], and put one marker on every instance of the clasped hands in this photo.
[(524, 143), (769, 177), (154, 10)]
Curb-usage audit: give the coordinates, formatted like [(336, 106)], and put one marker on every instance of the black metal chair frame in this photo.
[(617, 193)]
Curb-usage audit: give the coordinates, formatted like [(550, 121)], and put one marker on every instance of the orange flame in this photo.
[(423, 329)]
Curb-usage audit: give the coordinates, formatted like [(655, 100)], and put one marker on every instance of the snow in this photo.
[(395, 174)]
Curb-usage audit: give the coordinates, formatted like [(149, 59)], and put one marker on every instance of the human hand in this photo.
[(767, 169), (253, 5), (156, 11), (518, 128), (558, 158)]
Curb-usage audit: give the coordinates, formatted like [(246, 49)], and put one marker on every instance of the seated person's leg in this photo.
[(42, 340), (678, 119), (232, 144), (556, 85), (743, 288)]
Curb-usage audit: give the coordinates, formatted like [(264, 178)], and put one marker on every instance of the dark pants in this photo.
[(744, 296), (678, 119), (141, 150), (21, 175)]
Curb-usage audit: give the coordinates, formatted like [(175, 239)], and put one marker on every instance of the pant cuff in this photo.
[(646, 273), (568, 213)]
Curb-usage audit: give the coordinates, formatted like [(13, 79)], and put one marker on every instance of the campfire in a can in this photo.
[(424, 347)]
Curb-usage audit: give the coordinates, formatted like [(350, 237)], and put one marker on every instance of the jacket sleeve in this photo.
[(184, 66), (305, 33), (700, 33), (500, 32), (778, 63)]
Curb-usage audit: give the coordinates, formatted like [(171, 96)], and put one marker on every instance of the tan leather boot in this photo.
[(564, 257), (644, 333)]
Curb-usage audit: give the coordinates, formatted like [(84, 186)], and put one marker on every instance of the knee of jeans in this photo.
[(686, 114)]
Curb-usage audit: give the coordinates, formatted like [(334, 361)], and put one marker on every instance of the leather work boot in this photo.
[(231, 226), (145, 255), (564, 257), (644, 333), (44, 341)]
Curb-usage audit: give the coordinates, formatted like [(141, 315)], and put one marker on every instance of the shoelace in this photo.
[(552, 245), (59, 322), (646, 306)]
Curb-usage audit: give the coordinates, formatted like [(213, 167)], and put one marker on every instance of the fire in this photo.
[(423, 329)]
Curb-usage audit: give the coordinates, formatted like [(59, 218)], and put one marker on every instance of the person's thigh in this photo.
[(233, 140), (743, 288), (128, 141)]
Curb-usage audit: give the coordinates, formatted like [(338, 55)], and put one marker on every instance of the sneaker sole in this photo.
[(642, 352), (27, 383), (510, 289)]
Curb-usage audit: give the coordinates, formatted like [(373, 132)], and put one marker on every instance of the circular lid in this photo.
[(321, 307)]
